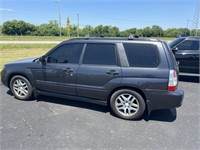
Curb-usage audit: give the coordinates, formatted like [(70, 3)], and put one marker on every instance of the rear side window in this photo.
[(100, 54), (141, 55)]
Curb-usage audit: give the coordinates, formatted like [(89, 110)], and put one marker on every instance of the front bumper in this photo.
[(164, 99), (3, 78)]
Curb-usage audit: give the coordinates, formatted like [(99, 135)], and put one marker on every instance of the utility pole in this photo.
[(188, 21), (195, 23), (78, 25), (59, 16)]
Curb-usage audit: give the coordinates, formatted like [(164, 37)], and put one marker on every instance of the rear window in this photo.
[(141, 55)]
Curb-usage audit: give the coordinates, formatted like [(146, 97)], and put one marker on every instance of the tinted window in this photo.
[(142, 55), (188, 45), (175, 42), (69, 53), (100, 54)]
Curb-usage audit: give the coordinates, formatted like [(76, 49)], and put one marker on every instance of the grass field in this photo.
[(33, 38), (51, 38), (12, 52)]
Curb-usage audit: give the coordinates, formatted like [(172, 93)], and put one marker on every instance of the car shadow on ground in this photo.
[(73, 103), (166, 115)]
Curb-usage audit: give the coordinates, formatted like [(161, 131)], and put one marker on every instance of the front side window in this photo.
[(141, 55), (175, 42), (69, 53), (188, 45), (100, 54)]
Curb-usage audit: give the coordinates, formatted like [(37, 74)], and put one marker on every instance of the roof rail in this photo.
[(133, 36), (87, 36)]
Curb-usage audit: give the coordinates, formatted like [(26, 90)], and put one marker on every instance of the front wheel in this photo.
[(21, 87), (127, 104)]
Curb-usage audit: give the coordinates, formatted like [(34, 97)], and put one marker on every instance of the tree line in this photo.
[(20, 27)]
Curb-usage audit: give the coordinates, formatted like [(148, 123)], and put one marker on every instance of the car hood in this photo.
[(30, 60)]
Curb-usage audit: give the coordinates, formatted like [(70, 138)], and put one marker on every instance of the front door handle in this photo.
[(68, 70), (112, 72)]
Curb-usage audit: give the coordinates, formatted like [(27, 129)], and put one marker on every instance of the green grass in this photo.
[(12, 52), (165, 38), (52, 38), (33, 38)]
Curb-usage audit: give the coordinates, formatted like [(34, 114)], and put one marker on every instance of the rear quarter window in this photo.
[(141, 55)]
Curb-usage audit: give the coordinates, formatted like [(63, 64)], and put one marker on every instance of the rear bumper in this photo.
[(164, 99)]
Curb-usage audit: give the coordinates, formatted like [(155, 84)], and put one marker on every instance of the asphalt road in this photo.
[(52, 123)]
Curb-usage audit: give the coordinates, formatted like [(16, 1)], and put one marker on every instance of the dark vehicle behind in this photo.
[(187, 51)]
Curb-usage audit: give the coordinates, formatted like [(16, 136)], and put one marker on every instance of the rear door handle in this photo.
[(68, 70), (112, 72)]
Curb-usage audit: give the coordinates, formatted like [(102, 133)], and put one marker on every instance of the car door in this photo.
[(58, 73), (187, 54), (99, 71)]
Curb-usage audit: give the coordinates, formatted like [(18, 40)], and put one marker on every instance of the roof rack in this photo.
[(133, 36), (130, 37)]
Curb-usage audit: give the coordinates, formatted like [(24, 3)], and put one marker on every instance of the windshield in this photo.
[(175, 42)]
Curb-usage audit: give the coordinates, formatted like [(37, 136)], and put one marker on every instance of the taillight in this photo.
[(173, 80)]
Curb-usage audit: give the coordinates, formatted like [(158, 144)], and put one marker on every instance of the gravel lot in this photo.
[(52, 123)]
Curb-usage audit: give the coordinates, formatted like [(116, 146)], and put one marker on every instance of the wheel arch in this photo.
[(18, 74), (126, 87)]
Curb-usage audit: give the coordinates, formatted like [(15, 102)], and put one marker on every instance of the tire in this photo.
[(21, 88), (127, 104)]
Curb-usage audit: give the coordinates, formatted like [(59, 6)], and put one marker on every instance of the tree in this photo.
[(114, 32), (98, 30), (16, 27), (88, 29), (139, 32), (147, 32), (172, 32), (183, 31), (20, 27), (156, 31), (127, 32), (49, 29), (0, 30)]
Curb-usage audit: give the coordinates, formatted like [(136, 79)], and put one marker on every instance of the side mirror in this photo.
[(42, 60)]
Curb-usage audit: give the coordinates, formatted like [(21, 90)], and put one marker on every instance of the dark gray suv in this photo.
[(128, 74)]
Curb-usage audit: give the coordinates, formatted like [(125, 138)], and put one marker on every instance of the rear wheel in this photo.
[(127, 104), (21, 87)]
